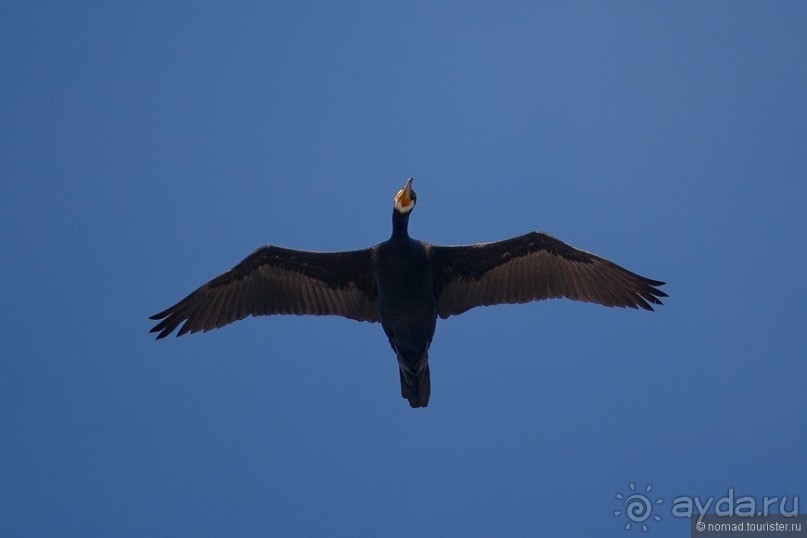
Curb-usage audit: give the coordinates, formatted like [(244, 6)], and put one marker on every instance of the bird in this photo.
[(406, 285)]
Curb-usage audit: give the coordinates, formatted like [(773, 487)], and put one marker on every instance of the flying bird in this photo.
[(405, 284)]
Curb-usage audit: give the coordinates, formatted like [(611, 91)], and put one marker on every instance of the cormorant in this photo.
[(405, 284)]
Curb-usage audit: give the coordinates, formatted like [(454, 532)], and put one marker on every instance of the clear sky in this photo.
[(145, 147)]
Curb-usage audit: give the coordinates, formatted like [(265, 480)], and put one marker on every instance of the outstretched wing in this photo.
[(532, 267), (274, 280)]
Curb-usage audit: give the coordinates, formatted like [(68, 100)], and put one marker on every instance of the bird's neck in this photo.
[(400, 225)]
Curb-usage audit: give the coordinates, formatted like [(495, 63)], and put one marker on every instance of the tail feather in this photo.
[(416, 387)]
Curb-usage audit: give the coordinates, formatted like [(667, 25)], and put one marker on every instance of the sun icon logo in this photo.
[(638, 507)]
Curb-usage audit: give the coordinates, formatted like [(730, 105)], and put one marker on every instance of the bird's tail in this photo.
[(416, 386)]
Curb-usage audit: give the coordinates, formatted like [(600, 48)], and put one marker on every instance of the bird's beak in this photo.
[(405, 195)]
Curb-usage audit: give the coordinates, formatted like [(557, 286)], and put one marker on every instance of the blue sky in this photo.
[(147, 147)]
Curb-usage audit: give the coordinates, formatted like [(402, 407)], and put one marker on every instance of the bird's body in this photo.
[(407, 307), (405, 285)]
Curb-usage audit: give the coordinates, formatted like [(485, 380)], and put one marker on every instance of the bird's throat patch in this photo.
[(403, 203)]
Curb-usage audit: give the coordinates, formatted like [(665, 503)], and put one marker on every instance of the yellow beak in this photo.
[(405, 195)]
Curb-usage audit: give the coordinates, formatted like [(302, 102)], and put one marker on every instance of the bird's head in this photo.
[(405, 199)]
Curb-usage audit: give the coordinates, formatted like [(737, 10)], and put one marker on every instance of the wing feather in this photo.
[(532, 267), (275, 280)]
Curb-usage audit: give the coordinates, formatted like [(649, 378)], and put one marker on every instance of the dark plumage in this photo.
[(406, 284)]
